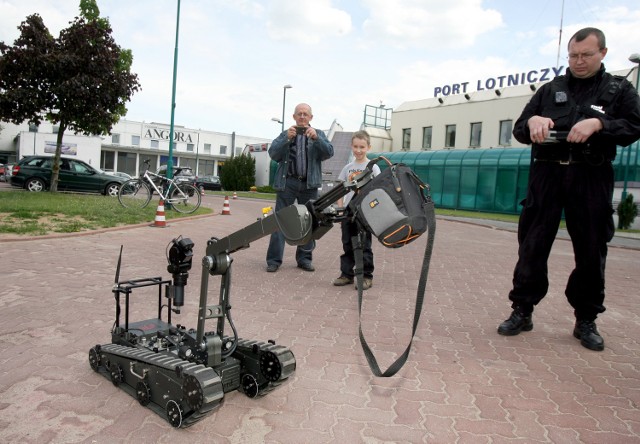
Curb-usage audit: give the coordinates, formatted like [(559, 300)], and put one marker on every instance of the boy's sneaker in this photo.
[(366, 283), (342, 281)]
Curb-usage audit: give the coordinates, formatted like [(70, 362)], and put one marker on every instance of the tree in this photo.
[(627, 212), (80, 81), (238, 173)]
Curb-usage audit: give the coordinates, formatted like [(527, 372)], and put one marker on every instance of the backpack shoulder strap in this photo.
[(422, 283)]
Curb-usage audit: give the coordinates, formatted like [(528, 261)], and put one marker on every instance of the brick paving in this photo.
[(462, 383)]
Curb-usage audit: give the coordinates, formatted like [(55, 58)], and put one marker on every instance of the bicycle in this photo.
[(182, 197)]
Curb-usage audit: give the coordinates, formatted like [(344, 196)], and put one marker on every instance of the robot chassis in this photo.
[(183, 374)]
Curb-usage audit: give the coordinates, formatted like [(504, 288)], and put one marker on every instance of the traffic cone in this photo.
[(201, 190), (225, 206), (160, 221), (235, 195)]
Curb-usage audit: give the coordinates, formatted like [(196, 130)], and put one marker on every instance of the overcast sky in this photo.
[(235, 56)]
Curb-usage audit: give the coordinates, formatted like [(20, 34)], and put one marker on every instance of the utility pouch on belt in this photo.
[(393, 207)]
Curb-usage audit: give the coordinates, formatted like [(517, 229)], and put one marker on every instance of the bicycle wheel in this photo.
[(134, 194), (184, 198)]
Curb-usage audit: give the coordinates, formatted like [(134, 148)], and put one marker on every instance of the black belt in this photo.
[(561, 162), (561, 155), (300, 178)]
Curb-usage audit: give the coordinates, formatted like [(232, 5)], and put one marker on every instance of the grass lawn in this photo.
[(36, 214)]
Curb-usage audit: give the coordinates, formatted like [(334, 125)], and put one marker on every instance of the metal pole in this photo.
[(173, 98), (284, 102)]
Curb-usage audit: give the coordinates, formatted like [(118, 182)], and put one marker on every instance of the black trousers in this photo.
[(585, 193), (347, 259)]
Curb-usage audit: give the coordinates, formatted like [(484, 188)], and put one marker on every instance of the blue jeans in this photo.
[(295, 190)]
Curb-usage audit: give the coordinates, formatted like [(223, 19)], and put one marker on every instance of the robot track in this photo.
[(266, 366), (181, 391)]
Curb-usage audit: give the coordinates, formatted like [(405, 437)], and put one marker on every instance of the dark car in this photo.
[(209, 183), (33, 173), (180, 174)]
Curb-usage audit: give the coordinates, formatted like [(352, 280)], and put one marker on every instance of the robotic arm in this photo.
[(298, 223)]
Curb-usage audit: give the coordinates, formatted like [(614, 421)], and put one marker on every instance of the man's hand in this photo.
[(584, 129), (539, 128), (309, 132)]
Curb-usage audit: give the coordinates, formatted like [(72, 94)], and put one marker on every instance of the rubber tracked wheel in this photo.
[(174, 413), (117, 374), (143, 393), (250, 386), (94, 359), (270, 366), (192, 392)]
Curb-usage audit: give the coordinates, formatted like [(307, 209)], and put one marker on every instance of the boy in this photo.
[(360, 145)]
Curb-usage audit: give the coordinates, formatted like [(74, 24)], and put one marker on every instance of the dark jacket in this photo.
[(586, 98), (318, 150)]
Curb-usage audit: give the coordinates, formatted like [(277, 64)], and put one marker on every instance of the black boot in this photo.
[(520, 320), (588, 334)]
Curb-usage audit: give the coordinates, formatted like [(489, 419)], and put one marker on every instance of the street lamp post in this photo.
[(635, 58), (173, 97), (284, 102)]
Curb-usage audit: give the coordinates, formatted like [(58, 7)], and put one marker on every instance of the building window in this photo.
[(190, 147), (107, 160), (506, 126), (135, 140), (55, 129), (406, 138), (155, 143), (450, 136), (115, 138), (476, 134), (223, 149), (127, 163), (207, 147), (427, 132)]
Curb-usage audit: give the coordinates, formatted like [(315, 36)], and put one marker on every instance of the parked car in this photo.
[(180, 174), (33, 173), (7, 173), (120, 174), (209, 183)]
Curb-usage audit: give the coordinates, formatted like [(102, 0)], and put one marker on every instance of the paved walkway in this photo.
[(463, 382)]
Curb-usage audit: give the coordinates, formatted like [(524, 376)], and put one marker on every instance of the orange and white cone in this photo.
[(235, 195), (225, 206), (160, 220)]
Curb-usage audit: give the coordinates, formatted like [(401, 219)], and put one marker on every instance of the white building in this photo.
[(458, 118), (128, 145)]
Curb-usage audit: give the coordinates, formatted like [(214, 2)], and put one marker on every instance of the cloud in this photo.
[(430, 24), (306, 21)]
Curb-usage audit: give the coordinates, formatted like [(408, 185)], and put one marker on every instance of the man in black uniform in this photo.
[(574, 123)]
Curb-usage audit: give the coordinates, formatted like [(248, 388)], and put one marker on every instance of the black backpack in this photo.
[(393, 205)]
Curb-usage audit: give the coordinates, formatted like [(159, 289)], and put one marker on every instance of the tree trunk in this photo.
[(56, 159)]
